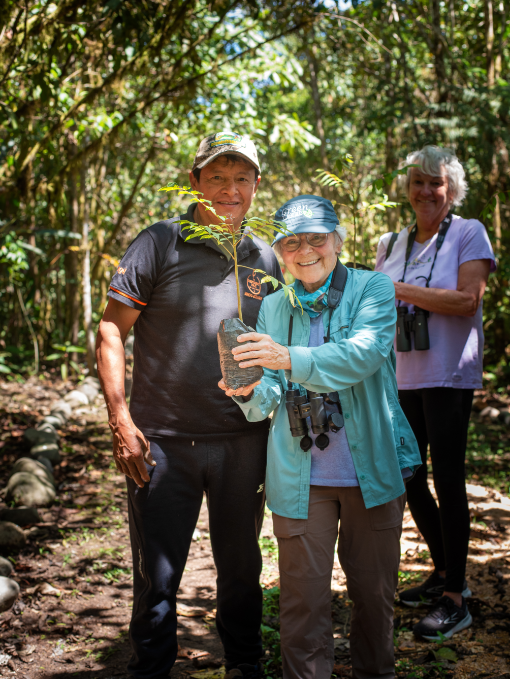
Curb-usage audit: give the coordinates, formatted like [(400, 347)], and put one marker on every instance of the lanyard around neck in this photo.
[(441, 235)]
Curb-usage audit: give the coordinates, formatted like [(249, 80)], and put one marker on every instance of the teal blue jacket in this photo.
[(358, 363)]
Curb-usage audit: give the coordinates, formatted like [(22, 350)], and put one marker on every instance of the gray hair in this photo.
[(435, 160), (340, 236)]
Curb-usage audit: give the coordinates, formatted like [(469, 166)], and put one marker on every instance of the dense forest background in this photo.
[(104, 102)]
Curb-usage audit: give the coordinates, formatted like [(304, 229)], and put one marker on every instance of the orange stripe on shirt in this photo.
[(124, 295)]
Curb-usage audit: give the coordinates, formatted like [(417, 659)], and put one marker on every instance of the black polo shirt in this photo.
[(184, 289)]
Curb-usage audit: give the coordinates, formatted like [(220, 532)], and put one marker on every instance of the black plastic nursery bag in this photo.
[(234, 376)]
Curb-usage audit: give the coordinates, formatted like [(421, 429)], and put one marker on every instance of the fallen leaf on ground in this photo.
[(26, 651), (191, 653), (48, 590), (209, 674), (190, 611), (445, 654)]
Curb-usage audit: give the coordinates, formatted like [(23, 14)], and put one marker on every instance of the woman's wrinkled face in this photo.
[(428, 195), (309, 263)]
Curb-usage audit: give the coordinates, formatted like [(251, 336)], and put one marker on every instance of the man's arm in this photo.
[(131, 450), (464, 301)]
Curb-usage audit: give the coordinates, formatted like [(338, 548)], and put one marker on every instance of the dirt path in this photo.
[(81, 550)]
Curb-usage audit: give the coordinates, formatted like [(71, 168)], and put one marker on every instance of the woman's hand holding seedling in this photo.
[(262, 351)]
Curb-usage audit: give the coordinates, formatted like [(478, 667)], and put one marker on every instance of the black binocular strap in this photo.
[(441, 235), (393, 240), (291, 323)]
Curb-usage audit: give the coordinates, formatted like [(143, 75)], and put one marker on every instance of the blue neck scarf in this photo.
[(313, 303)]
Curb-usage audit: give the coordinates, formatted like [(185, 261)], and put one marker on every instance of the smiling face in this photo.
[(309, 264), (429, 197), (229, 186)]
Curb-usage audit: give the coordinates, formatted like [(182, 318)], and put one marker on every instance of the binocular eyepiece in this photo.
[(300, 407), (416, 323)]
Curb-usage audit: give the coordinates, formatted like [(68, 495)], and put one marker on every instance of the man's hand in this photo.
[(131, 451), (245, 392), (262, 351)]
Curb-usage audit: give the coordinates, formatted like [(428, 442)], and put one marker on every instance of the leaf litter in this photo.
[(81, 550)]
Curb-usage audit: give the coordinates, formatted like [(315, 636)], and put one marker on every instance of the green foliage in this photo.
[(409, 578), (64, 352), (270, 629), (355, 192), (102, 102), (269, 547), (227, 235), (488, 459)]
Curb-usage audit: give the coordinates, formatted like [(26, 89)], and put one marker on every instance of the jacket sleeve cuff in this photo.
[(254, 401), (301, 364)]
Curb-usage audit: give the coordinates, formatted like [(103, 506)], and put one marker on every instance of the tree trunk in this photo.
[(489, 37), (87, 298), (392, 214), (317, 106), (125, 208), (438, 51), (72, 269)]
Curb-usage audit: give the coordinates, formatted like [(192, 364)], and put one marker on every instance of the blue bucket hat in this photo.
[(307, 214)]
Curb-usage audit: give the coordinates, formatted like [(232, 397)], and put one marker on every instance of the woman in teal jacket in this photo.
[(340, 343)]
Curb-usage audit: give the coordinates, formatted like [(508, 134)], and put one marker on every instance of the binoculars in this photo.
[(300, 407), (416, 323)]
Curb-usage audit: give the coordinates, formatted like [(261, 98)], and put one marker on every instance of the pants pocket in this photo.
[(283, 527), (388, 515)]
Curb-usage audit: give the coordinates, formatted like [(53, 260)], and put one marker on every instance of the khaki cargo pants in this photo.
[(369, 553)]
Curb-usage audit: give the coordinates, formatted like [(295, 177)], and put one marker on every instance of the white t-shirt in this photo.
[(456, 342)]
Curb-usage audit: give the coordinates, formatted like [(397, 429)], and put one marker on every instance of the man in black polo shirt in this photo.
[(181, 435)]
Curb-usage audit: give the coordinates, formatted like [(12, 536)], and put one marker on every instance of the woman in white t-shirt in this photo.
[(439, 265)]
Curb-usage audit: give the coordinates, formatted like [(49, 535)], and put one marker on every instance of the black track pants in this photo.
[(440, 417), (162, 518)]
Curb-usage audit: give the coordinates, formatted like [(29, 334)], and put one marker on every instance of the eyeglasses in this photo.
[(316, 240)]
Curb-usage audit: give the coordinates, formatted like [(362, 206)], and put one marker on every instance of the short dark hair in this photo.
[(231, 158)]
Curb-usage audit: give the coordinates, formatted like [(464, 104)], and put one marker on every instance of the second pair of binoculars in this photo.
[(300, 407), (416, 323)]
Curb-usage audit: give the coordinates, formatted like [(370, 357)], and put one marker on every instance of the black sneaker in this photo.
[(444, 620), (429, 592), (244, 670)]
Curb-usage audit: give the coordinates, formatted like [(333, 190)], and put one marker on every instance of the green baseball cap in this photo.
[(219, 143)]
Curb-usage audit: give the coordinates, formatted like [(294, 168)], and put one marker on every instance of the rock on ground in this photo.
[(34, 437), (29, 490), (5, 567), (46, 462), (9, 592), (89, 390), (76, 398), (21, 516), (47, 450), (11, 536), (62, 408), (26, 464), (56, 420)]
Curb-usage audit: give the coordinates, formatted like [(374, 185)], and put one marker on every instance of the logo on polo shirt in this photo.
[(254, 284), (227, 138), (121, 270), (297, 211)]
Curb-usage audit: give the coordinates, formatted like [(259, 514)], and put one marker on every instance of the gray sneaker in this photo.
[(444, 620), (429, 592)]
